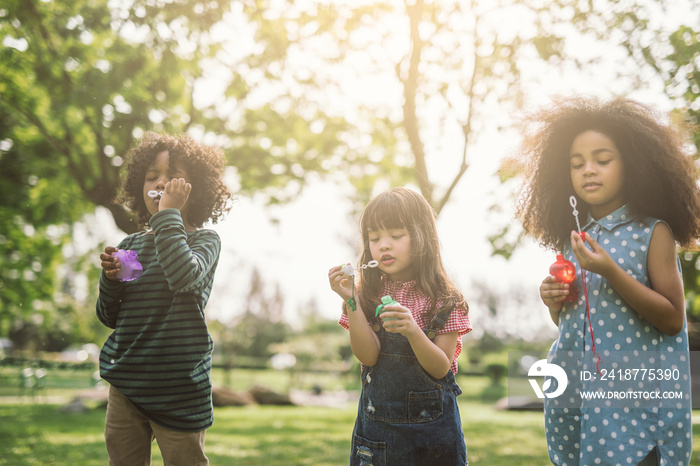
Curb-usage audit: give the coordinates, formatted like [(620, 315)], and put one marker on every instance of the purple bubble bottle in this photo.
[(131, 268)]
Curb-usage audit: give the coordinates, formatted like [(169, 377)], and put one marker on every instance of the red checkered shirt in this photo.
[(410, 295)]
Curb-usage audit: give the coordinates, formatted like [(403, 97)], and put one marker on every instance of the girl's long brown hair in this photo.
[(660, 179), (404, 208)]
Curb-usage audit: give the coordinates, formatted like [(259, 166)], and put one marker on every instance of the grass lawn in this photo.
[(257, 435), (265, 435), (38, 434)]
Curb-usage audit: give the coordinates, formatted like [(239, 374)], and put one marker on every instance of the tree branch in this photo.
[(410, 86), (467, 126), (462, 169)]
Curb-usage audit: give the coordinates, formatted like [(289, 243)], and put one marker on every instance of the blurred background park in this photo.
[(317, 105)]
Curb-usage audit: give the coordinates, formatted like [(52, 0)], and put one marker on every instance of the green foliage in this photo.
[(260, 326), (260, 333), (79, 81), (681, 70), (495, 373), (443, 65), (252, 335), (317, 349), (76, 85)]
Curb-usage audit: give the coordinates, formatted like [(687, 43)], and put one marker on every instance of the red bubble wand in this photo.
[(565, 272)]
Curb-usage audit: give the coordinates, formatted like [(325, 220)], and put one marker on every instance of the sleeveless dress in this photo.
[(610, 431)]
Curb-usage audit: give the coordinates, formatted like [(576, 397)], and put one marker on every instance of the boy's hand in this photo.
[(340, 283), (175, 194), (553, 293), (109, 263)]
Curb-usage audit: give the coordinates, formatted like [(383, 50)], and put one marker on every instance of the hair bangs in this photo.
[(386, 213)]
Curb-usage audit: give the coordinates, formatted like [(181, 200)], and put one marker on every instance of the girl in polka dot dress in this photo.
[(637, 195)]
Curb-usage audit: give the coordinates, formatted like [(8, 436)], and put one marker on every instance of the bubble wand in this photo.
[(596, 357), (349, 270)]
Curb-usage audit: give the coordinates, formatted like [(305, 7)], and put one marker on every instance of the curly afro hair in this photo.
[(660, 176), (209, 199)]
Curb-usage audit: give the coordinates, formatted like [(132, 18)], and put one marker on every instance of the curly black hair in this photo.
[(660, 179), (209, 199)]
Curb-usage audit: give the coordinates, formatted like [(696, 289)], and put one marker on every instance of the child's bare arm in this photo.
[(662, 304), (435, 363), (363, 341)]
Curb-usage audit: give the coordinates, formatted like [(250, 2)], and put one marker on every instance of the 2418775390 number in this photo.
[(637, 374)]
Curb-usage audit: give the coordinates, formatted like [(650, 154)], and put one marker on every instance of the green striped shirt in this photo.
[(159, 355)]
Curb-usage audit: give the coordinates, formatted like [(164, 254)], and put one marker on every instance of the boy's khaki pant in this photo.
[(129, 435)]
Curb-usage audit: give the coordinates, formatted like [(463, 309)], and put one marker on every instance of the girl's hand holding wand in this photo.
[(341, 283), (363, 341), (175, 194), (595, 259), (662, 304)]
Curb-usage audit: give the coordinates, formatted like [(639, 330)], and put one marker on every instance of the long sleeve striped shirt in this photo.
[(159, 355)]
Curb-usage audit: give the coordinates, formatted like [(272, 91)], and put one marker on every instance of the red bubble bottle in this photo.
[(565, 272)]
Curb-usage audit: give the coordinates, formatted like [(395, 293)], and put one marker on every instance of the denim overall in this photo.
[(406, 417)]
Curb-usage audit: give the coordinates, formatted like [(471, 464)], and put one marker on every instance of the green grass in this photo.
[(258, 435), (265, 435), (38, 434), (279, 436)]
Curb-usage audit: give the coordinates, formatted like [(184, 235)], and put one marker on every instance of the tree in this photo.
[(681, 71), (442, 67), (79, 81)]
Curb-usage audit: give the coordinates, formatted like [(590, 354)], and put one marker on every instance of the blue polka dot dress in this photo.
[(584, 432)]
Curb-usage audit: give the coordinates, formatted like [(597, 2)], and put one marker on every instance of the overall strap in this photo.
[(440, 319), (376, 323)]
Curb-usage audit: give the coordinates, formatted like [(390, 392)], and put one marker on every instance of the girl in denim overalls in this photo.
[(408, 412)]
